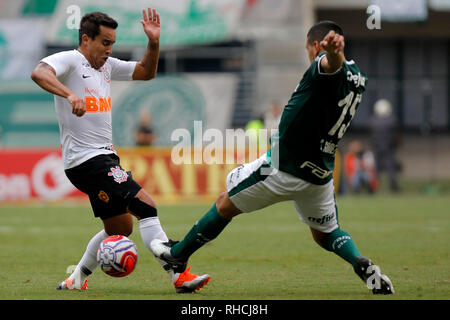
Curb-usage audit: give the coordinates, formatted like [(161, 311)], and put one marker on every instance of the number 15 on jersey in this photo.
[(349, 103)]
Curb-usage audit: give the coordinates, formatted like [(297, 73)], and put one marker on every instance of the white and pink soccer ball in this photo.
[(117, 256)]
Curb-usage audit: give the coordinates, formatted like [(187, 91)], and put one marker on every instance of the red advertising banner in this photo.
[(166, 181), (38, 174), (27, 174)]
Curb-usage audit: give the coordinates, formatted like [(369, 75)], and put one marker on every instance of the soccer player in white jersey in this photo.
[(80, 82)]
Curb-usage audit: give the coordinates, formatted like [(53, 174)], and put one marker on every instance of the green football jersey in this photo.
[(315, 119)]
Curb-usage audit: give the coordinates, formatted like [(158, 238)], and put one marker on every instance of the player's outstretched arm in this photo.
[(333, 44), (146, 68), (45, 77)]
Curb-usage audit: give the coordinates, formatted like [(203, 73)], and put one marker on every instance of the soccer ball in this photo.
[(117, 256)]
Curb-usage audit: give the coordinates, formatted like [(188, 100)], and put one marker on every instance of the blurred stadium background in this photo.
[(224, 63)]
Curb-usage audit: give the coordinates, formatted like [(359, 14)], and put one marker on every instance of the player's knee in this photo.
[(124, 229), (319, 237), (225, 207), (141, 209)]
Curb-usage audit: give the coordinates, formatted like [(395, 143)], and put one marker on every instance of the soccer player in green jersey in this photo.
[(299, 165)]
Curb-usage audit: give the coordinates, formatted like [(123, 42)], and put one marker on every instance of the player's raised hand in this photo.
[(333, 43), (151, 24), (78, 105)]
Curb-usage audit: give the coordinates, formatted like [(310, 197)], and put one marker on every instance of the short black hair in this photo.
[(91, 22), (321, 29)]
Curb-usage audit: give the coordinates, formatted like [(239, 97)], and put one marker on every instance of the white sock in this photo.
[(88, 262), (150, 229)]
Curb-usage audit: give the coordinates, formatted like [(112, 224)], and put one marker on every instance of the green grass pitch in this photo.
[(267, 254)]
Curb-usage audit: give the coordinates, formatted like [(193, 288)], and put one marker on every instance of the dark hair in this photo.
[(321, 29), (91, 22)]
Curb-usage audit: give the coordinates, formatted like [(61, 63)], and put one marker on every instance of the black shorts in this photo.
[(109, 187)]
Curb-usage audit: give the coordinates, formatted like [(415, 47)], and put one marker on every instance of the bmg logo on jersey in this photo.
[(100, 104)]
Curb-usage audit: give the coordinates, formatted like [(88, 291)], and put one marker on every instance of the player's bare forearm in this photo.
[(333, 44), (147, 68), (45, 77), (332, 62)]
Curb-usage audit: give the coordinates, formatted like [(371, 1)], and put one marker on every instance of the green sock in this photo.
[(204, 230), (341, 244)]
